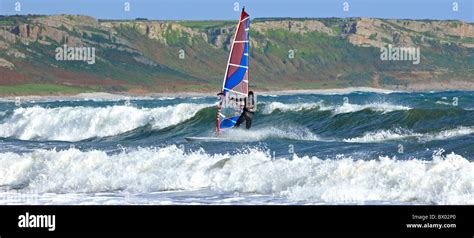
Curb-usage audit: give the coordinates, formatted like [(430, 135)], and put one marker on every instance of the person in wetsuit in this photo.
[(249, 110)]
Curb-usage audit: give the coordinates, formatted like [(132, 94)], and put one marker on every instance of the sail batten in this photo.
[(235, 85)]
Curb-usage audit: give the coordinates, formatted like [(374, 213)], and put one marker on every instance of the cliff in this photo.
[(160, 56)]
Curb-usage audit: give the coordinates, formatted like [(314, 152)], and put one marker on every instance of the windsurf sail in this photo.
[(235, 85)]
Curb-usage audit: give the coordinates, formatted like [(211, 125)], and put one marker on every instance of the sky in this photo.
[(227, 9)]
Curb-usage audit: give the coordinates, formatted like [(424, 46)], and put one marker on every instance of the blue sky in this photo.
[(224, 9)]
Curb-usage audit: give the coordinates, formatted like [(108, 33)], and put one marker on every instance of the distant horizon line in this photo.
[(256, 18)]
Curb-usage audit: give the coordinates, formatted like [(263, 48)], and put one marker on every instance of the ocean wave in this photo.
[(382, 135), (338, 109), (378, 107), (401, 134), (447, 134), (79, 123), (165, 98), (444, 103), (273, 106), (445, 179), (260, 134)]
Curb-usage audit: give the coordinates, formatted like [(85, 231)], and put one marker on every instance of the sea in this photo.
[(341, 148)]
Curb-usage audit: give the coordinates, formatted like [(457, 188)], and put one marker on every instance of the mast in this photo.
[(235, 83)]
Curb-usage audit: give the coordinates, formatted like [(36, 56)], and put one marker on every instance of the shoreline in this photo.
[(122, 96)]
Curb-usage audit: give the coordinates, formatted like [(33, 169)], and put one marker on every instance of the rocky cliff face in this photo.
[(329, 52), (377, 32)]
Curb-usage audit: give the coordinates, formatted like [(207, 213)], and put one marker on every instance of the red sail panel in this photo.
[(238, 46)]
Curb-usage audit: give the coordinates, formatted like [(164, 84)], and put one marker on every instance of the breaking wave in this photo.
[(274, 106), (445, 179), (339, 109), (400, 134), (378, 107), (446, 134), (79, 123), (260, 134), (382, 135)]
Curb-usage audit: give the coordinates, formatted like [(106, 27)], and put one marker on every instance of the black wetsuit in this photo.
[(247, 114)]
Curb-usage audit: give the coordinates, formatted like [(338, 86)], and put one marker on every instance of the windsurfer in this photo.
[(249, 110)]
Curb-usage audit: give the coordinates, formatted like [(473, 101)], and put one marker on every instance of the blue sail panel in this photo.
[(229, 122)]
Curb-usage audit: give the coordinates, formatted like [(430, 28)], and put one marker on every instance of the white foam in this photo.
[(273, 106), (382, 135), (378, 107), (259, 134), (446, 179), (444, 103), (166, 98), (450, 133), (339, 109), (79, 123), (400, 134)]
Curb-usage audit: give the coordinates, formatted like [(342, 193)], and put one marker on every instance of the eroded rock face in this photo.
[(6, 64), (454, 28), (377, 32), (157, 30), (15, 53), (220, 37), (26, 31), (61, 29), (300, 26), (367, 32)]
